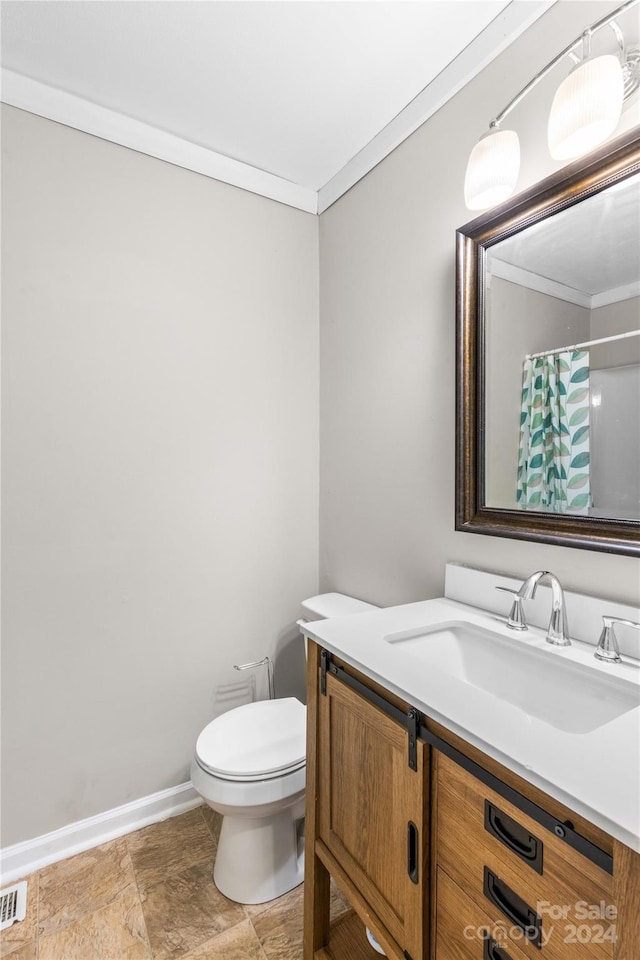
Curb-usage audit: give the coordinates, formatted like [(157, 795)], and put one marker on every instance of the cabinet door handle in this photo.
[(510, 833), (491, 950), (513, 907), (412, 851)]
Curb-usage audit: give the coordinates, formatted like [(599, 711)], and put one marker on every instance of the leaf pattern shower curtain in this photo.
[(553, 460)]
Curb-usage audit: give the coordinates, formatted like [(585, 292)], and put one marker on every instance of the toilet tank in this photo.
[(327, 605)]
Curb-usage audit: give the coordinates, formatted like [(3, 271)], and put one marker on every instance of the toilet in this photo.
[(249, 766)]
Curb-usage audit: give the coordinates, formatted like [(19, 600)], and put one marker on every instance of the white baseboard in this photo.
[(24, 858)]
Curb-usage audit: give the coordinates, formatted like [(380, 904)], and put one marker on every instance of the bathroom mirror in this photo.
[(548, 359)]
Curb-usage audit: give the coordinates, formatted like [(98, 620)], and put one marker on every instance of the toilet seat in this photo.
[(257, 741)]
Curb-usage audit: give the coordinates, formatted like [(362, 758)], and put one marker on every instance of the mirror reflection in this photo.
[(562, 361)]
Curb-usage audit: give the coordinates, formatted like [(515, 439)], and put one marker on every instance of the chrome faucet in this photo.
[(558, 630), (516, 619), (607, 649)]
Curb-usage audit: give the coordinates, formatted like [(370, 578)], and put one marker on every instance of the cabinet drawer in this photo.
[(464, 931), (513, 867)]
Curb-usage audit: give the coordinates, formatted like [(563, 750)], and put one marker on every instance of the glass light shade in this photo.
[(586, 107), (492, 171)]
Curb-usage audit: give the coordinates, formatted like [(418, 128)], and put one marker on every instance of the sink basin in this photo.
[(564, 694)]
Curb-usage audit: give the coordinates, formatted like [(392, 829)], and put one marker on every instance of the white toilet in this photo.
[(249, 765)]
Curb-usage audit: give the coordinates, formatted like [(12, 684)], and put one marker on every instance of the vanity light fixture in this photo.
[(492, 171), (587, 106), (585, 111)]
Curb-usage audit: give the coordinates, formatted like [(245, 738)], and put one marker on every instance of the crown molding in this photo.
[(66, 108), (628, 292), (51, 103), (535, 281), (553, 288), (496, 37)]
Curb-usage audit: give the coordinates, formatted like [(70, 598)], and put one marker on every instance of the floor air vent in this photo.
[(13, 904)]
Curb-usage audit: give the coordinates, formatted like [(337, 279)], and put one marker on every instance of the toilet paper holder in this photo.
[(266, 661)]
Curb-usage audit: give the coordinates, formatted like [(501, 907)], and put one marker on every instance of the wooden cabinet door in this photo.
[(372, 810)]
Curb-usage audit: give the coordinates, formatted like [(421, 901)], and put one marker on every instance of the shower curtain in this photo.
[(553, 460)]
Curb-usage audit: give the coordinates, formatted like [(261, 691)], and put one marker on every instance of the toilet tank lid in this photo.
[(327, 605)]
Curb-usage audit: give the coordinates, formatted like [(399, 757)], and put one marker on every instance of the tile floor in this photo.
[(151, 896)]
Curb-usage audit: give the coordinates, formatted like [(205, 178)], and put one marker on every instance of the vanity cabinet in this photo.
[(442, 852), (539, 895), (372, 808), (367, 818)]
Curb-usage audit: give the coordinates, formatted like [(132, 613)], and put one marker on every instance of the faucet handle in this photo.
[(607, 649), (516, 619)]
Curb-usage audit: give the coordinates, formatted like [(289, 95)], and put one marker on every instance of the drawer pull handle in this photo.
[(491, 949), (513, 907), (412, 851), (510, 833)]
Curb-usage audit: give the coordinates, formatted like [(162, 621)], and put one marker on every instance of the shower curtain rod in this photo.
[(580, 346)]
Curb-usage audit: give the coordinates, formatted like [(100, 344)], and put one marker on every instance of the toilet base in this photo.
[(260, 859)]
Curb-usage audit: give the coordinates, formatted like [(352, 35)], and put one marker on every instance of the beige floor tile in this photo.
[(116, 932), (238, 943), (339, 904), (25, 930), (73, 888), (279, 928), (170, 847), (185, 911), (23, 951), (283, 903)]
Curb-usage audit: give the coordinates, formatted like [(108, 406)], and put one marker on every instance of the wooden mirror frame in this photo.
[(611, 164)]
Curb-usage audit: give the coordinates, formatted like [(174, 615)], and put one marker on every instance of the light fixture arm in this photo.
[(618, 34), (585, 36)]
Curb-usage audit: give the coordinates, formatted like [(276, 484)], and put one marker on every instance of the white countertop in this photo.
[(595, 773)]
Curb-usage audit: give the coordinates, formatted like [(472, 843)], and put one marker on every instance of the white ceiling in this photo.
[(288, 92), (587, 254)]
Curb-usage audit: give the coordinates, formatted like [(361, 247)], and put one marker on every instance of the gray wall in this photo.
[(387, 351), (617, 317), (160, 422)]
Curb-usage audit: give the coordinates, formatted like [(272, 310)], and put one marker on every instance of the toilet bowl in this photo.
[(249, 766)]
